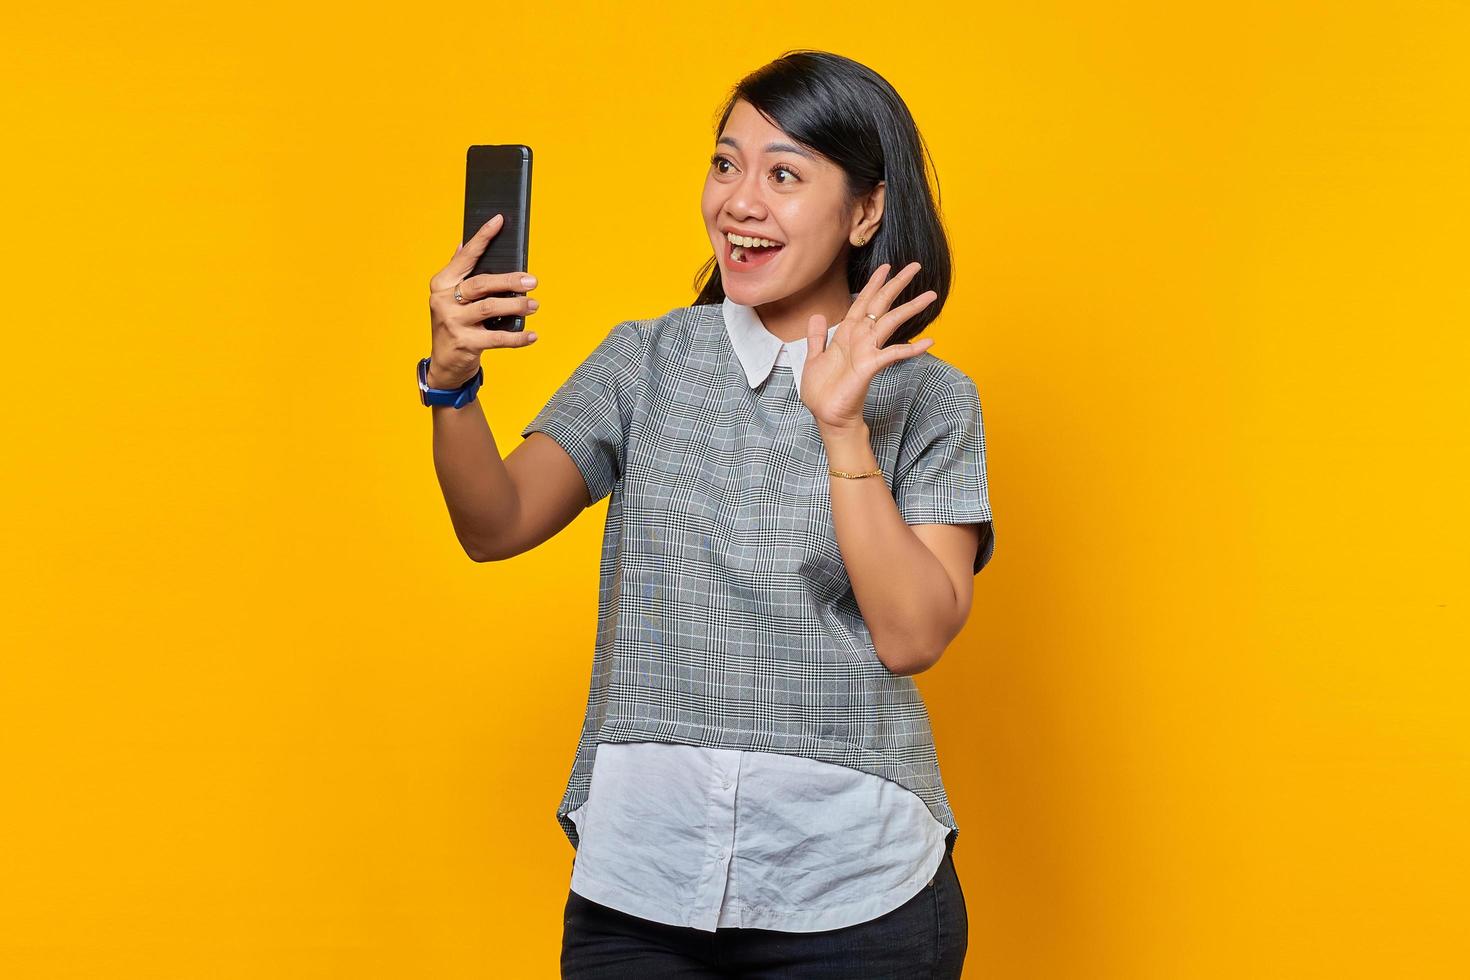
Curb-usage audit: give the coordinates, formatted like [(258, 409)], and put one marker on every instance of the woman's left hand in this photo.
[(836, 375)]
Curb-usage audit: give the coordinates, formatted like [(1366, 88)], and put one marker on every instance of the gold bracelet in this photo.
[(855, 476)]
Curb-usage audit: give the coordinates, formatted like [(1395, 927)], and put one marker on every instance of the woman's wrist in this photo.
[(433, 382), (849, 449)]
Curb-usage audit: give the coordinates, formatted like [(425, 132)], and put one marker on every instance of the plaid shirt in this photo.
[(709, 838), (726, 617)]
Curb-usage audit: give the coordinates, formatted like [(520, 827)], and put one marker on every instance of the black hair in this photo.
[(849, 114)]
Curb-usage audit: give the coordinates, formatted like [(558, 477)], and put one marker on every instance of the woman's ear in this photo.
[(868, 214)]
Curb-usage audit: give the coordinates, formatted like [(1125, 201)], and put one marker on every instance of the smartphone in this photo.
[(498, 181)]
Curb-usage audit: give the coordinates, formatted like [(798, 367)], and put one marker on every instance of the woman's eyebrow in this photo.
[(770, 147)]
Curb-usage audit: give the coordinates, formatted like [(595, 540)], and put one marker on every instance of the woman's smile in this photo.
[(743, 259)]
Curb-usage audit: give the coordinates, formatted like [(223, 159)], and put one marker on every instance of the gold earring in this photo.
[(861, 241)]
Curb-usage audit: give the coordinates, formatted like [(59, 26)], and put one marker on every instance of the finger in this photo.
[(469, 253), (894, 286), (491, 283), (484, 336), (865, 297), (901, 352), (488, 339), (889, 291), (493, 306), (816, 334), (890, 321)]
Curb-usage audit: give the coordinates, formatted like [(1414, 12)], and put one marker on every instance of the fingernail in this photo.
[(530, 336), (533, 304), (528, 281)]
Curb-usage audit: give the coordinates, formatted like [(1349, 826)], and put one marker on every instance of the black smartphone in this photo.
[(498, 181)]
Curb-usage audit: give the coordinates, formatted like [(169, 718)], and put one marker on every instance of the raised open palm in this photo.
[(837, 373)]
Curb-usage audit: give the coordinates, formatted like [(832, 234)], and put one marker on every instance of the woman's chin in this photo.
[(745, 294)]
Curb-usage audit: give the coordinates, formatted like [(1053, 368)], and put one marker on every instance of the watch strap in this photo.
[(452, 397)]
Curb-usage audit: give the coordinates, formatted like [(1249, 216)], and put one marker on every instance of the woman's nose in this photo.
[(746, 195)]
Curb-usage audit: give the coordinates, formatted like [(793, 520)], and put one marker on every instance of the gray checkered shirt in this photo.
[(726, 617)]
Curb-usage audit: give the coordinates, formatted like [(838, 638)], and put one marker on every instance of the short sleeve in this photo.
[(939, 476), (588, 415)]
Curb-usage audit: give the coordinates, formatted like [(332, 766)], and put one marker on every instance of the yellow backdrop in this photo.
[(259, 715)]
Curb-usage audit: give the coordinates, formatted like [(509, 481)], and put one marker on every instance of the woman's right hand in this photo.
[(459, 334)]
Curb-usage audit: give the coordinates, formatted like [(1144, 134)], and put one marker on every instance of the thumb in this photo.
[(816, 334)]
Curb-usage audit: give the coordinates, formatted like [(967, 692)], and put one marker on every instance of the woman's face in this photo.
[(761, 184)]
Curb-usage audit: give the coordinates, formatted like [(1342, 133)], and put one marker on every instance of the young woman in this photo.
[(798, 508)]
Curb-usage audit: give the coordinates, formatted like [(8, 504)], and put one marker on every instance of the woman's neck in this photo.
[(787, 318)]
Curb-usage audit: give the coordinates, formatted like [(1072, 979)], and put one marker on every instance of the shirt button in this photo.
[(727, 785), (723, 855)]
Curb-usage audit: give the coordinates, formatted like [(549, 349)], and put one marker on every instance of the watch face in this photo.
[(424, 389)]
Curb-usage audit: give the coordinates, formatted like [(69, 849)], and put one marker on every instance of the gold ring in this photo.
[(457, 297), (872, 317)]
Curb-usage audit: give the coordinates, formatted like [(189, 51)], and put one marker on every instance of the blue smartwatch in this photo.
[(453, 397)]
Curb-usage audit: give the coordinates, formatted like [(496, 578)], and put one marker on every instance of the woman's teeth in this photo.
[(747, 241), (742, 245)]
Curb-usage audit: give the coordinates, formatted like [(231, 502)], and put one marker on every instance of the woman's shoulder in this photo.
[(927, 379), (663, 327), (671, 337)]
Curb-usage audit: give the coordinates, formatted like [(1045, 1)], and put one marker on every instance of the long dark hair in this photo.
[(851, 115)]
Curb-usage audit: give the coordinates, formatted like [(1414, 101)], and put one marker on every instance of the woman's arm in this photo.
[(501, 508), (913, 584)]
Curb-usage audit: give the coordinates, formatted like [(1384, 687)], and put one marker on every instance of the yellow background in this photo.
[(260, 717)]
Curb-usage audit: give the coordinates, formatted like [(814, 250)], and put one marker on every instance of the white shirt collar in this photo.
[(760, 350)]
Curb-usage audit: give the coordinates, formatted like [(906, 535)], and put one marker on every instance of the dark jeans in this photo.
[(926, 937)]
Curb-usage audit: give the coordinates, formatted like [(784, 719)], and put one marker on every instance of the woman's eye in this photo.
[(717, 160)]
